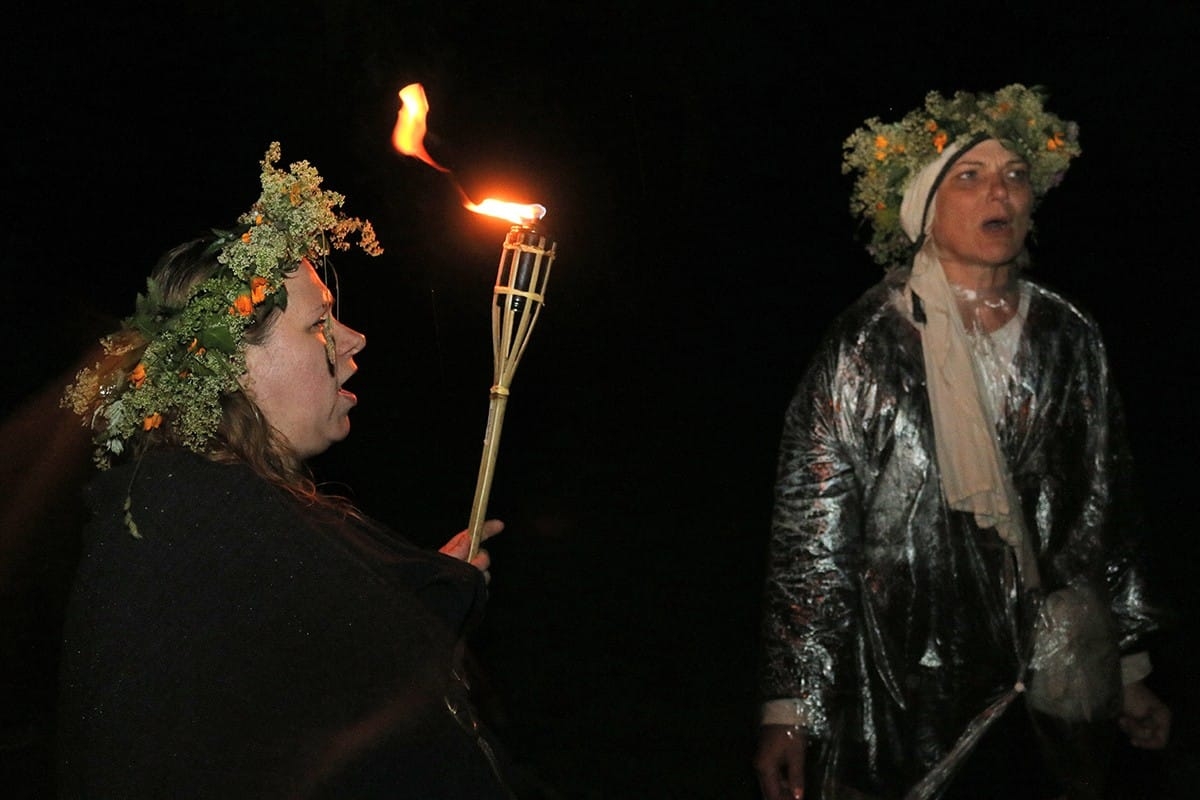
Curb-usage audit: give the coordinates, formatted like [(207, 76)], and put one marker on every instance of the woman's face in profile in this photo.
[(289, 376), (984, 207)]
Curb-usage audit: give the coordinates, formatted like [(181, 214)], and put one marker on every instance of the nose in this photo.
[(349, 341), (998, 187)]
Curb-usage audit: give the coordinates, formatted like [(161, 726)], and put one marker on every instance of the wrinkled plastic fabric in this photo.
[(1074, 666), (899, 626)]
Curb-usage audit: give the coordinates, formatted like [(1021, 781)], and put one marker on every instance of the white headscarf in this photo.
[(918, 194)]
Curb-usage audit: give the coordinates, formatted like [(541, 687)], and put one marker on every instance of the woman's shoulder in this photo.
[(168, 492), (1051, 309), (871, 339), (879, 314), (180, 466), (172, 475)]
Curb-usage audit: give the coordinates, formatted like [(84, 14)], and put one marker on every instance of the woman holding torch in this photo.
[(233, 631)]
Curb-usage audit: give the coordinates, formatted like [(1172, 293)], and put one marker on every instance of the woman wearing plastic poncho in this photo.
[(954, 599)]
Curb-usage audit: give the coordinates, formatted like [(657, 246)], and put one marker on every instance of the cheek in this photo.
[(1023, 204), (279, 381), (944, 231), (1024, 221), (948, 212), (266, 384)]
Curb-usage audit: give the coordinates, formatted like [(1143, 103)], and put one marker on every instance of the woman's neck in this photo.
[(984, 280), (987, 297)]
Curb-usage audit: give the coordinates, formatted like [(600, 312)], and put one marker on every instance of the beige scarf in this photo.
[(974, 474)]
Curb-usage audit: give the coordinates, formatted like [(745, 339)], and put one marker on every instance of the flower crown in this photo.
[(174, 363), (887, 156)]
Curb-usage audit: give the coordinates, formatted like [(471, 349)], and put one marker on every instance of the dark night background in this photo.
[(689, 156)]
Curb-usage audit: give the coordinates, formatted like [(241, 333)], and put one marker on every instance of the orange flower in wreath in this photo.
[(242, 306), (881, 144), (258, 289), (138, 376), (151, 422)]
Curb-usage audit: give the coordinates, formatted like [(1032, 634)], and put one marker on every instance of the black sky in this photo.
[(689, 155)]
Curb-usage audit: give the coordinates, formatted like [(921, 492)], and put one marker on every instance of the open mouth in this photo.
[(996, 224), (346, 393)]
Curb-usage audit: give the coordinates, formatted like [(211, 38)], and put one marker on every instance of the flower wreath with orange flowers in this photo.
[(185, 358), (887, 156)]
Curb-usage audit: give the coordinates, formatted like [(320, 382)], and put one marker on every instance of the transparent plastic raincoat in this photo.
[(895, 624)]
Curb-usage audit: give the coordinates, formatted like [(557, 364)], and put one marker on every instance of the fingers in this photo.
[(459, 545), (777, 785), (482, 561), (1146, 719), (1149, 732), (795, 772), (780, 762), (491, 527)]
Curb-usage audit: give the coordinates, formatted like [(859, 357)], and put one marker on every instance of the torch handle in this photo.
[(487, 466)]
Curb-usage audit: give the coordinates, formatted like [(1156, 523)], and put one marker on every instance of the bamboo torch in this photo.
[(525, 261)]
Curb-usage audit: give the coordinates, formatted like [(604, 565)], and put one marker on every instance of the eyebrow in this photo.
[(979, 163), (325, 305)]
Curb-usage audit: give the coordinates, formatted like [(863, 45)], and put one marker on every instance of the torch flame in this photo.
[(409, 139), (517, 213), (409, 135)]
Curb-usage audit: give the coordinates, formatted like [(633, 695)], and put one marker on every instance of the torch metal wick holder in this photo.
[(525, 262)]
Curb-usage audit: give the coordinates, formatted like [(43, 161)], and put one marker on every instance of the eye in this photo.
[(1019, 175), (966, 175), (321, 323)]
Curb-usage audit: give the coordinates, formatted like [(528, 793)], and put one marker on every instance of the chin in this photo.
[(327, 440), (999, 257), (1011, 259), (341, 433)]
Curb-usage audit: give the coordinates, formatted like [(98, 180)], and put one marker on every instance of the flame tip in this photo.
[(409, 139)]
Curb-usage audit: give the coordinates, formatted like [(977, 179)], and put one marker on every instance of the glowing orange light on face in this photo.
[(409, 139)]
